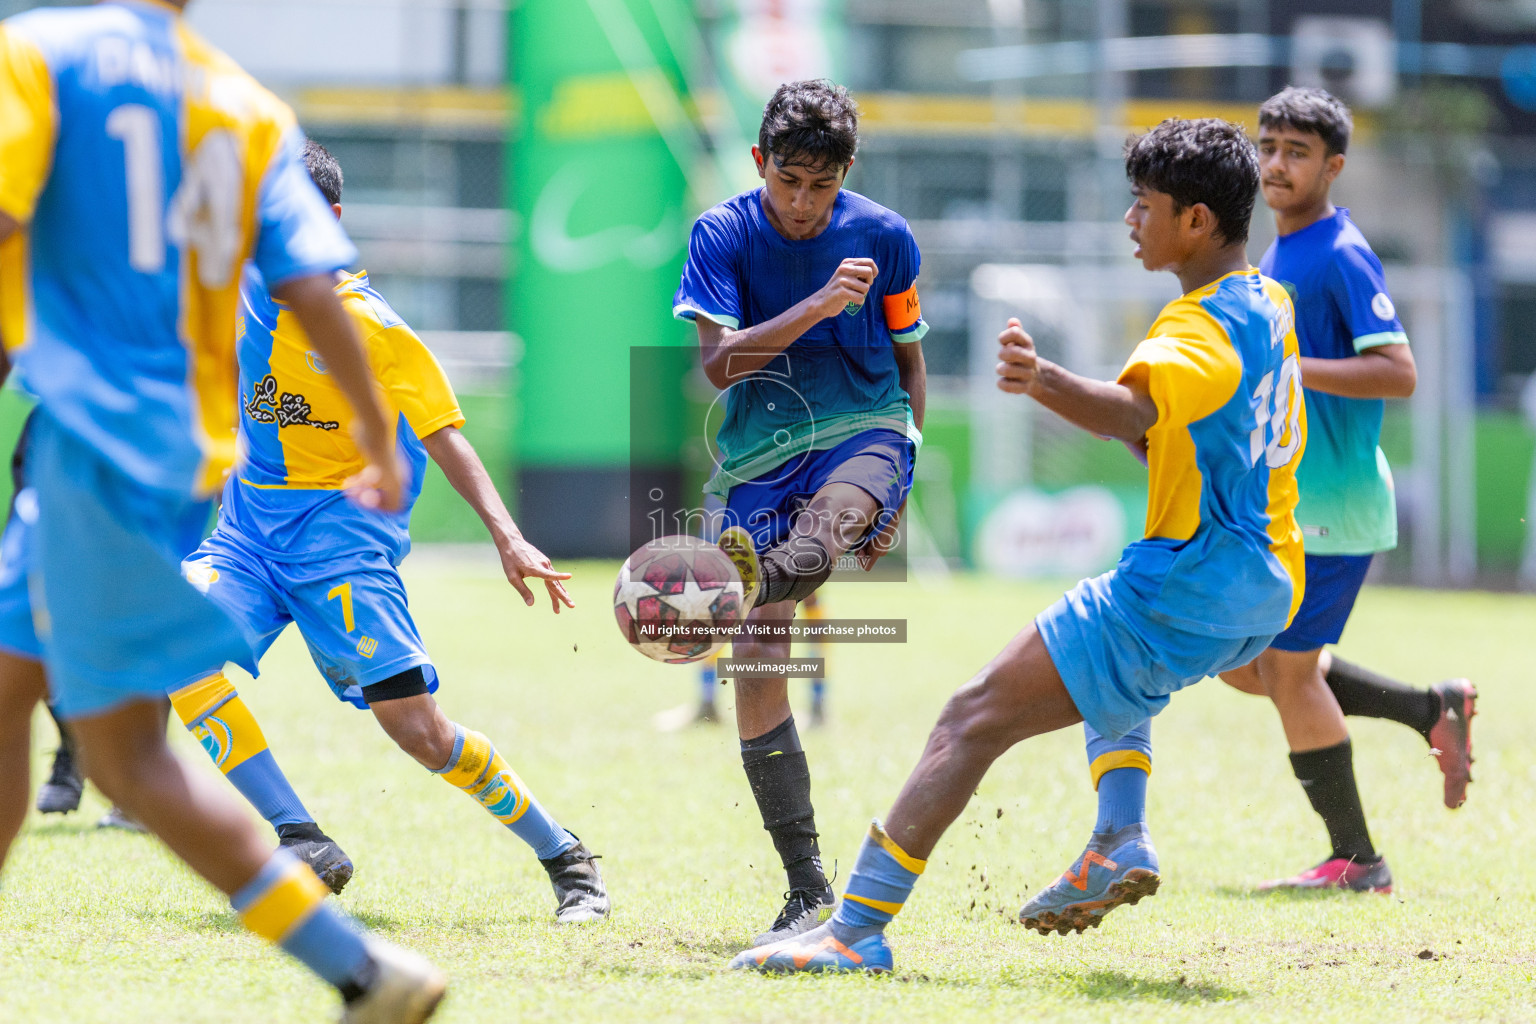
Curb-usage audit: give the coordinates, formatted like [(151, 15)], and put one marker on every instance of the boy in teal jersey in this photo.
[(139, 168), (288, 548), (1213, 400), (1354, 354)]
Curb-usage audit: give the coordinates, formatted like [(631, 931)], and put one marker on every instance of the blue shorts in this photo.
[(1333, 583), (351, 610), (18, 634), (878, 462), (1120, 665), (116, 620)]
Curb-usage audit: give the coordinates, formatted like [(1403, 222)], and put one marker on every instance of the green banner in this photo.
[(763, 43), (598, 183)]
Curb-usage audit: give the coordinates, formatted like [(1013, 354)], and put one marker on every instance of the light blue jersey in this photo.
[(146, 168), (287, 500), (290, 546), (1220, 570), (1222, 554)]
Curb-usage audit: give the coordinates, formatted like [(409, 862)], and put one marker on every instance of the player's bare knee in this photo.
[(1245, 679), (417, 732), (975, 720), (405, 710)]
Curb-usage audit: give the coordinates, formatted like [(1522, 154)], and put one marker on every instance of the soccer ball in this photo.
[(677, 599)]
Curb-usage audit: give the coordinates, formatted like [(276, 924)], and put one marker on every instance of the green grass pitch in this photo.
[(108, 927)]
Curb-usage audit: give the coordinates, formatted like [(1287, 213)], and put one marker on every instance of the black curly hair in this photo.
[(1313, 111), (1206, 161), (813, 124), (324, 169)]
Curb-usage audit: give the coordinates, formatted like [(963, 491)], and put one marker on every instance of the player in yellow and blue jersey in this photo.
[(1212, 399), (139, 169), (824, 400), (1353, 353), (290, 548)]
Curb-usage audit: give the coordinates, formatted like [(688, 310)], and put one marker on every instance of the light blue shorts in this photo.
[(116, 620), (351, 610), (18, 635), (1120, 665)]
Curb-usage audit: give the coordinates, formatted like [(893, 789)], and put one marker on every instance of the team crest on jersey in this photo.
[(291, 410), (315, 362), (852, 309)]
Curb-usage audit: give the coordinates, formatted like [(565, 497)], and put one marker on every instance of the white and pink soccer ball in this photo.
[(677, 599)]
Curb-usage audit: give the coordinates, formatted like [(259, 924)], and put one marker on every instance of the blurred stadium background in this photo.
[(521, 178)]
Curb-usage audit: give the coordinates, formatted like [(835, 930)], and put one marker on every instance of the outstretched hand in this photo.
[(521, 560)]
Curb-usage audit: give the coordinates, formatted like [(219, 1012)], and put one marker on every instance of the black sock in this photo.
[(781, 784), (1365, 694), (1328, 776), (65, 740), (793, 570)]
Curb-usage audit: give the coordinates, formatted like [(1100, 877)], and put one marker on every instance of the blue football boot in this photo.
[(1116, 868), (819, 950)]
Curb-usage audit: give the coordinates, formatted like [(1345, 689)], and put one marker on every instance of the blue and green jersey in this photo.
[(840, 377), (1342, 309)]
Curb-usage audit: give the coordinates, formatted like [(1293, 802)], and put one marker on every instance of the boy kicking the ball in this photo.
[(1213, 400), (805, 299), (289, 548)]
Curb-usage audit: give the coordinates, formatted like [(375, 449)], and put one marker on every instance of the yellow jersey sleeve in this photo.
[(28, 125), (1187, 365), (414, 380)]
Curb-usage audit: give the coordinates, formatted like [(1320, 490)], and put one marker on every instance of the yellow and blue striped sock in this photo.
[(480, 771), (882, 879), (1120, 770), (285, 904), (214, 713)]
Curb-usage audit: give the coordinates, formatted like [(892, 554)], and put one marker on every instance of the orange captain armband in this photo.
[(902, 311)]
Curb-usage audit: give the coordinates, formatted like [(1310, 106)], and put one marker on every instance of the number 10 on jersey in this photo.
[(1277, 435)]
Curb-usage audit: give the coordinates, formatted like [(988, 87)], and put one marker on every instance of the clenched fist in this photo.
[(1018, 367)]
